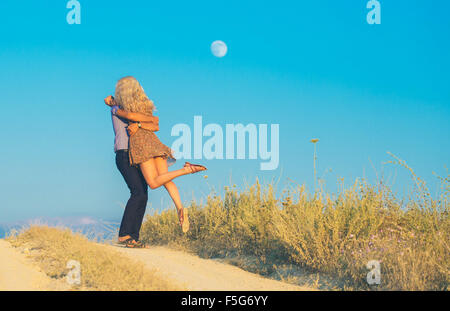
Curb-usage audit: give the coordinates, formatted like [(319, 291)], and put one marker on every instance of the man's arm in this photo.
[(148, 126), (137, 117), (131, 116), (133, 127)]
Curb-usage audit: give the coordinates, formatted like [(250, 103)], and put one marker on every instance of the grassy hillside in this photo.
[(101, 268), (336, 235)]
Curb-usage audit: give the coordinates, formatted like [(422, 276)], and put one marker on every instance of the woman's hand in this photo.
[(132, 129), (109, 101)]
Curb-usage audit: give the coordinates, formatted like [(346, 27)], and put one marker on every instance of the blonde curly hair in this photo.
[(131, 97)]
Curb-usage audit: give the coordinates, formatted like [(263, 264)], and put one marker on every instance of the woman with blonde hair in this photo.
[(145, 149)]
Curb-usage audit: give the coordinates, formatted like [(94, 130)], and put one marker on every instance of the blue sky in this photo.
[(314, 67)]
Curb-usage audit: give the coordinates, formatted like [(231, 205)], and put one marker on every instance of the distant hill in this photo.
[(94, 229)]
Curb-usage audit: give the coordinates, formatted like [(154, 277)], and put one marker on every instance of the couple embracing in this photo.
[(141, 158)]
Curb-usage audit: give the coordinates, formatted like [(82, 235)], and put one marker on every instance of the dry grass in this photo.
[(335, 235), (101, 268)]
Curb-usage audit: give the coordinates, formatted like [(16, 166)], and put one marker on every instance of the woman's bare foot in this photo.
[(180, 216), (184, 220), (194, 168), (185, 225)]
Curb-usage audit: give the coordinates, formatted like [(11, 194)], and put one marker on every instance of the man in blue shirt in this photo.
[(125, 124)]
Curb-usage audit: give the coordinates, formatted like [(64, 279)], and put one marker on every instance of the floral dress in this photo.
[(144, 145)]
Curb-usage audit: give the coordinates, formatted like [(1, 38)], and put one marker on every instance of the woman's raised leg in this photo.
[(154, 179), (161, 166), (156, 175)]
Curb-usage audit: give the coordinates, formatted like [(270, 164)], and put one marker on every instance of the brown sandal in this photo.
[(195, 167), (124, 242), (139, 244), (131, 243)]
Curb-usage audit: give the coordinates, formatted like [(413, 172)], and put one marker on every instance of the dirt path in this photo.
[(19, 273), (198, 274)]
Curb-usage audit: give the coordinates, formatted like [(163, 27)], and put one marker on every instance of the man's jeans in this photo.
[(135, 209)]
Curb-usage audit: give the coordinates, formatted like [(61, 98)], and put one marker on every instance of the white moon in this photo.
[(219, 48)]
